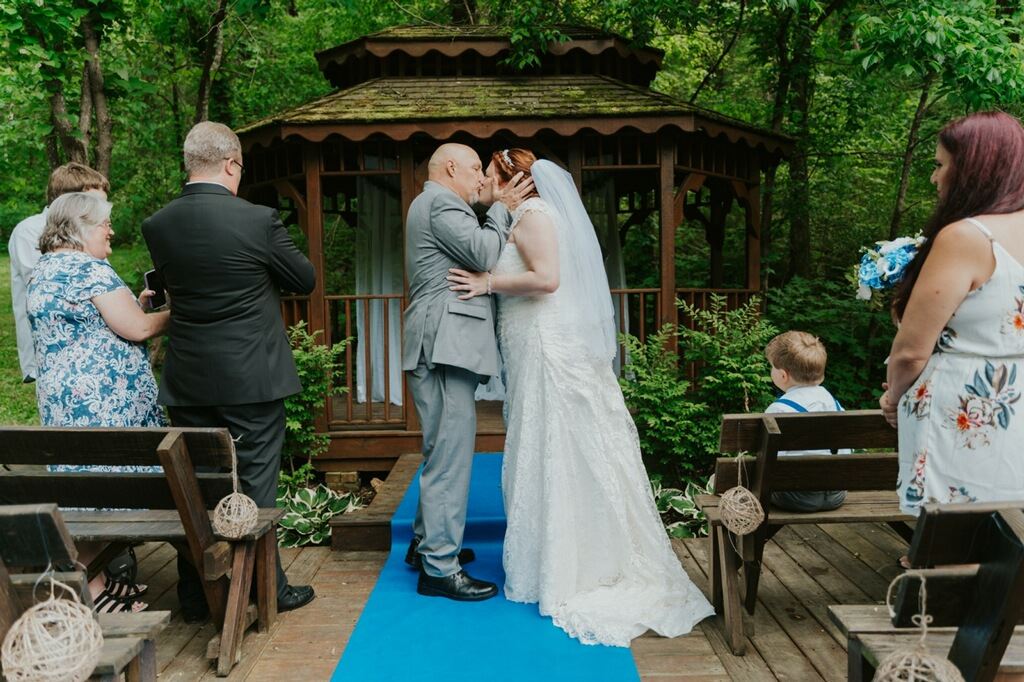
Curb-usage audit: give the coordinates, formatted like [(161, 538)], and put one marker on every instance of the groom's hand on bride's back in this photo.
[(512, 194)]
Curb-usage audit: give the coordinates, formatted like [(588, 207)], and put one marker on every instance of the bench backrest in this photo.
[(206, 449), (33, 536), (763, 436), (972, 556)]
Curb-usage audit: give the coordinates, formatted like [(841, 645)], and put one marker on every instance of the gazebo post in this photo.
[(753, 212), (667, 314), (315, 240), (407, 183)]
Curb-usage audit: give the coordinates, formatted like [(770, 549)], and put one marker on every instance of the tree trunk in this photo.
[(72, 146), (212, 54), (52, 152), (85, 107), (463, 11), (908, 158), (799, 174), (104, 124), (778, 115)]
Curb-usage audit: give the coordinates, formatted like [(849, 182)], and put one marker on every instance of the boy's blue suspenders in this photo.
[(800, 408)]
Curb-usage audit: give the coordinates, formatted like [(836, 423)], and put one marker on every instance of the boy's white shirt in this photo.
[(813, 399)]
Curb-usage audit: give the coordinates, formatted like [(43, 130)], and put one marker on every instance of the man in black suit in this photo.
[(229, 363)]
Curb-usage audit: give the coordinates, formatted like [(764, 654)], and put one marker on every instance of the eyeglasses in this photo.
[(241, 168)]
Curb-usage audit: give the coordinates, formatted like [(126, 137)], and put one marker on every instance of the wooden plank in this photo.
[(11, 607), (845, 561), (856, 619), (95, 489), (34, 535), (217, 560), (668, 313), (146, 624), (867, 471), (266, 580), (839, 587), (32, 588), (768, 640), (116, 653), (872, 508), (882, 562), (109, 446), (878, 646), (811, 431), (370, 528), (181, 479), (810, 636), (148, 525)]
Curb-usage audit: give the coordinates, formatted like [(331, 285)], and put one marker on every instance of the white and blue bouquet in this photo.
[(883, 265)]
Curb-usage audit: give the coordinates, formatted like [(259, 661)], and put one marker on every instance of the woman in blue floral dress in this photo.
[(957, 363), (89, 334)]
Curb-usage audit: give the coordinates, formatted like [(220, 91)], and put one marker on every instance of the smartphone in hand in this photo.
[(155, 283)]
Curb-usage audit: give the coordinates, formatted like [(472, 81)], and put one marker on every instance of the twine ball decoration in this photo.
[(235, 515), (916, 665), (57, 640), (740, 510)]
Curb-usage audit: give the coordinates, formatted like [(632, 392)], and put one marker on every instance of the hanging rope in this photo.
[(57, 640), (236, 514), (915, 663), (740, 510)]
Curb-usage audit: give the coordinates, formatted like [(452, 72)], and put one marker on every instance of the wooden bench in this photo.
[(870, 479), (972, 556), (34, 537), (173, 506)]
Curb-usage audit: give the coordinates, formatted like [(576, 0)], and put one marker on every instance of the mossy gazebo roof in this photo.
[(521, 105)]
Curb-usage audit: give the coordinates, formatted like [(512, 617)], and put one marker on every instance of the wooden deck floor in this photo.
[(806, 569)]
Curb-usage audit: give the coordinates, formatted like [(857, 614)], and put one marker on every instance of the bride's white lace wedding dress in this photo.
[(584, 537)]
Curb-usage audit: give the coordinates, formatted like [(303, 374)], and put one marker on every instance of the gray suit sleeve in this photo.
[(463, 239)]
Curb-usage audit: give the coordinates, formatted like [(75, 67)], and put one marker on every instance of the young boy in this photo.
[(798, 367)]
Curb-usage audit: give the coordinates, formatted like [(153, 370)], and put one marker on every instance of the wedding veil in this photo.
[(583, 283)]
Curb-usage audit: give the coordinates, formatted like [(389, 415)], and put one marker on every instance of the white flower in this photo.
[(864, 292)]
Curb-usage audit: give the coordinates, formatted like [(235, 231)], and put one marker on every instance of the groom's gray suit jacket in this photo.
[(442, 232)]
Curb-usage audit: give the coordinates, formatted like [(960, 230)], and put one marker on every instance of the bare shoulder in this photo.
[(963, 238)]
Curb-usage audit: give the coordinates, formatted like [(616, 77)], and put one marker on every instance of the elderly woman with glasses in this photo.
[(89, 334)]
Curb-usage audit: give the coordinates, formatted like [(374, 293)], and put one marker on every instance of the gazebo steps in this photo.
[(369, 529)]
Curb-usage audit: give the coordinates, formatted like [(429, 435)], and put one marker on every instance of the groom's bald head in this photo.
[(458, 168)]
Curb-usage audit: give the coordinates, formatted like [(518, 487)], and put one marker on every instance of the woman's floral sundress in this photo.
[(88, 375), (960, 436)]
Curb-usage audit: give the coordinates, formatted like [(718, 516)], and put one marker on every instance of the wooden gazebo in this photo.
[(344, 168)]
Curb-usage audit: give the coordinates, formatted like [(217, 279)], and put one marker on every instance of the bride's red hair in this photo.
[(521, 160)]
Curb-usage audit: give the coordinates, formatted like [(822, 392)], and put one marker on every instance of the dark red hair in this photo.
[(521, 160), (985, 176)]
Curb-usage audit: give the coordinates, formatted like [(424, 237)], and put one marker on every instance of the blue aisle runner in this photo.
[(404, 636)]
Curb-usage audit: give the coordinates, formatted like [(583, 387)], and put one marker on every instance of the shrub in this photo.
[(728, 348), (675, 435), (678, 508), (308, 514), (320, 373)]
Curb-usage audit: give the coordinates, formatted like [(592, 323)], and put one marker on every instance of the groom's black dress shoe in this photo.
[(458, 586), (294, 597), (414, 559)]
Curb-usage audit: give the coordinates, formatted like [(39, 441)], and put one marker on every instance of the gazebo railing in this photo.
[(375, 395)]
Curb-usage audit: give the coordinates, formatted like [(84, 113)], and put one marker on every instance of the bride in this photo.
[(584, 537)]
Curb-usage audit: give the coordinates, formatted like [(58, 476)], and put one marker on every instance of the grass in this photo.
[(18, 400)]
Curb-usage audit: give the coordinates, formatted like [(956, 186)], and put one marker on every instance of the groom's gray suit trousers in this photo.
[(444, 398)]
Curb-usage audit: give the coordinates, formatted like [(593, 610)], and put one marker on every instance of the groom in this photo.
[(448, 346)]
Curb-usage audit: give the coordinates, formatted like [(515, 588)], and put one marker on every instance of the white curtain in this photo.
[(599, 200), (379, 270)]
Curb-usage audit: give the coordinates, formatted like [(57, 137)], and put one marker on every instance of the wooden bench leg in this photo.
[(266, 579), (143, 667), (715, 570), (753, 545), (732, 613), (237, 605), (858, 669)]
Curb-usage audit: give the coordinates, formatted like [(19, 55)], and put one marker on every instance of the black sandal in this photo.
[(121, 575), (108, 602)]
